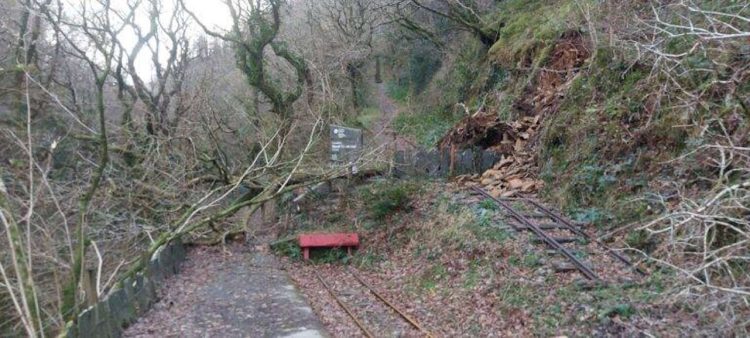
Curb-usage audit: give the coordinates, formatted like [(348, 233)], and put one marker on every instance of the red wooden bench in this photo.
[(327, 240)]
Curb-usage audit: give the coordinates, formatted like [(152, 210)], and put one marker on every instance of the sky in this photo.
[(212, 13)]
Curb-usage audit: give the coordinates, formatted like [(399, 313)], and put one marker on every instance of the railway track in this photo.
[(369, 310), (562, 236)]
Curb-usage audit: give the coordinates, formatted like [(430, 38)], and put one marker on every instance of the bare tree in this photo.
[(29, 32), (255, 28), (98, 51), (704, 237), (465, 14), (114, 194), (162, 98), (351, 36)]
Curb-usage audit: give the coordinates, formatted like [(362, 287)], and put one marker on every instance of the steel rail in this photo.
[(585, 270), (411, 321), (345, 307), (580, 232)]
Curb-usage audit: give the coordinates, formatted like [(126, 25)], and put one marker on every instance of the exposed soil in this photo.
[(484, 130), (517, 140), (540, 99), (544, 95)]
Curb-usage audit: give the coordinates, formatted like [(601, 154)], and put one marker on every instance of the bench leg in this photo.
[(349, 250), (306, 253)]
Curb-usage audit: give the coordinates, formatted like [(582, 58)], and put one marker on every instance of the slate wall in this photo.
[(130, 299), (437, 163)]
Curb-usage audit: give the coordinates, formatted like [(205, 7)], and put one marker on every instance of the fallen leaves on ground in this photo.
[(515, 173)]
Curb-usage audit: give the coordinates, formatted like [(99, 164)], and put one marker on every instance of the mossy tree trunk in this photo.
[(354, 74), (101, 36), (29, 32), (378, 76), (253, 31)]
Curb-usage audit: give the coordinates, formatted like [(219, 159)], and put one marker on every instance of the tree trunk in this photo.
[(378, 79), (355, 75)]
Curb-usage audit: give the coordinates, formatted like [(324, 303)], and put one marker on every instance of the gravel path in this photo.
[(229, 291)]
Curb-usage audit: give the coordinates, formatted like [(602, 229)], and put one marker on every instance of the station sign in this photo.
[(346, 144)]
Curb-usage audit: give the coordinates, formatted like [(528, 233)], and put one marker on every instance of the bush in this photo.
[(385, 200), (426, 128), (389, 202), (288, 248), (397, 90)]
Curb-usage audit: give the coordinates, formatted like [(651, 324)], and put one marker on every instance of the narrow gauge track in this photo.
[(360, 320), (558, 243)]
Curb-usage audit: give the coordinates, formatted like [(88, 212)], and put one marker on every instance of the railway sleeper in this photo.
[(553, 252), (536, 215), (543, 226), (561, 240), (562, 267)]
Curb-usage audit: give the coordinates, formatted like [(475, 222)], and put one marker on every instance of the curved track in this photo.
[(550, 234)]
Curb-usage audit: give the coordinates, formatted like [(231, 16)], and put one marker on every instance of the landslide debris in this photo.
[(515, 173), (516, 141)]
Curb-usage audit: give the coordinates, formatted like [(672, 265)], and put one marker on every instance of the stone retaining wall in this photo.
[(130, 298), (437, 163)]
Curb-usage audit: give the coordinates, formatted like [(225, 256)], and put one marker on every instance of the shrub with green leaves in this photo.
[(384, 199)]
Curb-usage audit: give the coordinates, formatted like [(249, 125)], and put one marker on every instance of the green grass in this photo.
[(426, 128), (550, 309), (518, 294), (328, 256), (488, 204), (530, 25), (287, 248), (368, 259), (485, 228), (397, 91), (590, 176), (531, 260), (386, 199), (472, 276), (430, 278), (366, 118), (623, 310)]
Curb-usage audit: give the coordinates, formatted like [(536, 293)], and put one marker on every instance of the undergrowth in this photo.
[(385, 199), (365, 119), (654, 119), (397, 91), (529, 26), (426, 128)]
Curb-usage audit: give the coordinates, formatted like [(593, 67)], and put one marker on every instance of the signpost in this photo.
[(346, 145)]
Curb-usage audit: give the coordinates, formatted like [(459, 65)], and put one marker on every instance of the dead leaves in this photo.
[(511, 176), (483, 130), (515, 173)]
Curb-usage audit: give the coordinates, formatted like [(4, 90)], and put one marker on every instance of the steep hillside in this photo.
[(644, 122)]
